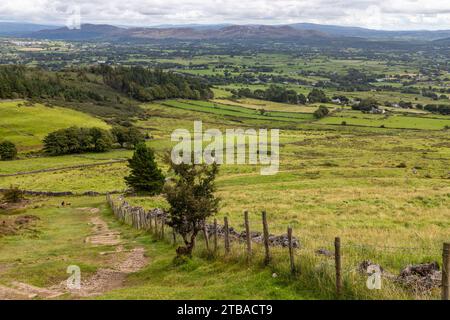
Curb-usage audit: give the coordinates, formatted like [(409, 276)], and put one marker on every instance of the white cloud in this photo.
[(380, 14)]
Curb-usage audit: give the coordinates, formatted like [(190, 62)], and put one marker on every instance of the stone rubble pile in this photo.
[(421, 278), (257, 237)]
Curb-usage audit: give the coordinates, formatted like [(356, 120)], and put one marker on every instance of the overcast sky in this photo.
[(378, 14)]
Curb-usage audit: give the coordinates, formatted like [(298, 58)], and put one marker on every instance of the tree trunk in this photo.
[(189, 245)]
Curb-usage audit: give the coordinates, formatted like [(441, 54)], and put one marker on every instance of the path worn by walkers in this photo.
[(121, 262)]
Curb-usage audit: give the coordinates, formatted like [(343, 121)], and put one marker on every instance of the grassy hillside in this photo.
[(385, 191), (41, 259), (26, 125)]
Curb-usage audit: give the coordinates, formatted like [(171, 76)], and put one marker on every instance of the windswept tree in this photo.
[(145, 175), (192, 201)]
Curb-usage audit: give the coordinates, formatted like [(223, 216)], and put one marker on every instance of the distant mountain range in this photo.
[(107, 32), (18, 29), (374, 34), (220, 31)]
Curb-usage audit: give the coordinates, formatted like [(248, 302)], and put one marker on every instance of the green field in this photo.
[(378, 181), (28, 125), (380, 189), (237, 111), (393, 121)]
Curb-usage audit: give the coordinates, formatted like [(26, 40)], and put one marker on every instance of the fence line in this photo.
[(155, 220)]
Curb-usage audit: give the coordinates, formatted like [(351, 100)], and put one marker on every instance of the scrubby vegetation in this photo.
[(8, 150), (321, 112), (13, 195)]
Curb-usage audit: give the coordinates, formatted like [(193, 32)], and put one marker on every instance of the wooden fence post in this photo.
[(215, 235), (446, 272), (156, 225), (338, 262), (150, 222), (174, 236), (147, 220), (249, 239), (227, 236), (266, 238), (205, 234), (291, 251), (142, 218), (163, 222), (138, 220)]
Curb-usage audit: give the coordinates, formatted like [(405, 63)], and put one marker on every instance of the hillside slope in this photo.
[(26, 125)]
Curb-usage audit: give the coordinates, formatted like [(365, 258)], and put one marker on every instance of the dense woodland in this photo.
[(147, 85), (138, 83)]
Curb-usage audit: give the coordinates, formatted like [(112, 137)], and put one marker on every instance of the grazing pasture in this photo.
[(27, 124)]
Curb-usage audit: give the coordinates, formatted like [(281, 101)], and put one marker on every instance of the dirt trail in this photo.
[(121, 262), (107, 279), (102, 235)]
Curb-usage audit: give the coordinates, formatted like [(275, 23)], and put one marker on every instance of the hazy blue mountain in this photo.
[(107, 32), (86, 32), (370, 33), (17, 29), (198, 32), (195, 26)]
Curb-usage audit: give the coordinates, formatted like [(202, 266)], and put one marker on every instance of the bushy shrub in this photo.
[(321, 112), (192, 201), (8, 150), (13, 195)]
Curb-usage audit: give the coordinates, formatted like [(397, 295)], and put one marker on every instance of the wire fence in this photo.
[(334, 262)]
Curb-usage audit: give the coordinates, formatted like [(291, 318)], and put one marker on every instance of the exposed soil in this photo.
[(10, 207), (102, 235), (15, 225), (107, 279), (121, 263)]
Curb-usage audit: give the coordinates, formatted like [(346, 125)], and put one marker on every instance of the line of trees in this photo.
[(76, 140), (277, 93), (440, 109), (274, 93)]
